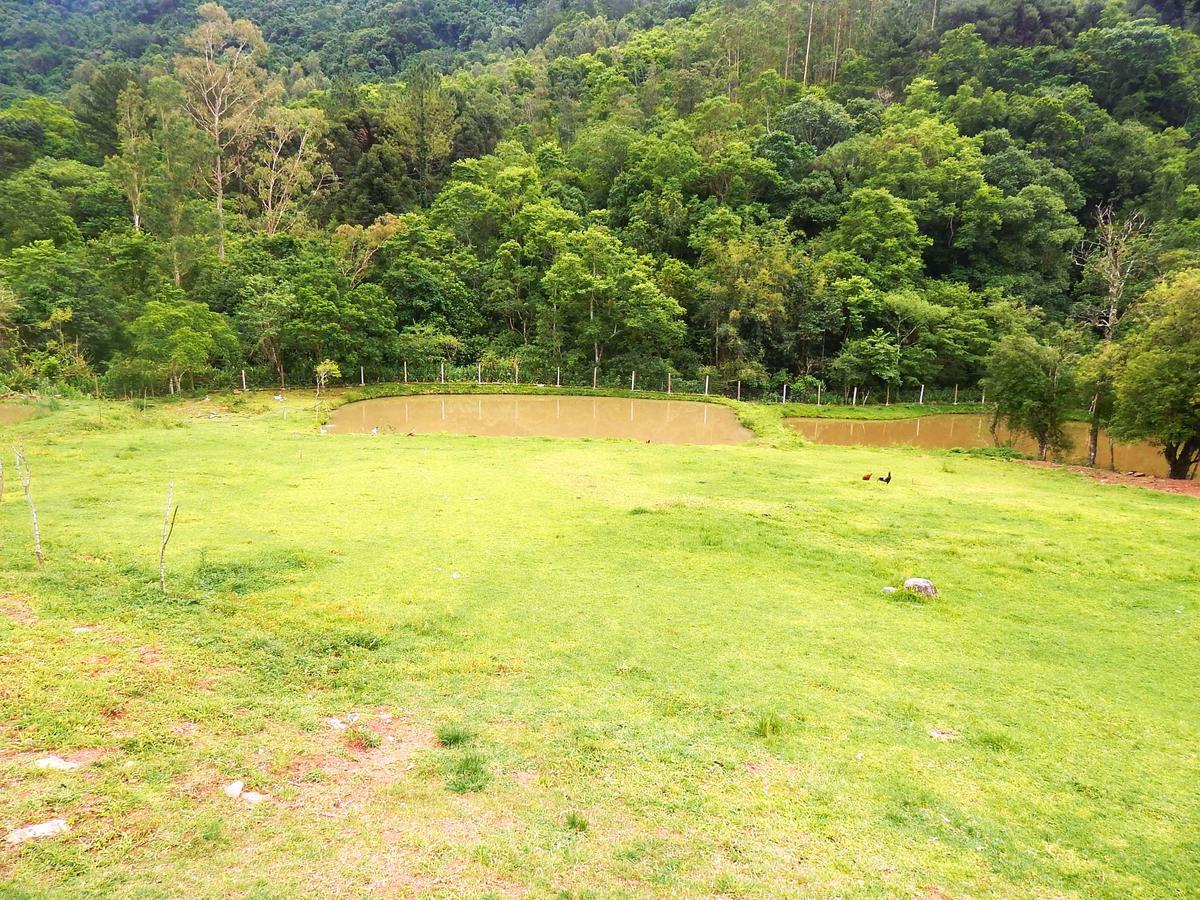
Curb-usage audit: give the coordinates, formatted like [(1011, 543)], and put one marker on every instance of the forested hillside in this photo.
[(848, 192)]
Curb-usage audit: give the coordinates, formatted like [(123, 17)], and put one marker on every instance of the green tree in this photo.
[(1033, 387), (183, 338), (1158, 387)]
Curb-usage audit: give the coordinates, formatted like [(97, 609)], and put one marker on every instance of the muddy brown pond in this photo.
[(15, 412), (510, 415), (945, 432)]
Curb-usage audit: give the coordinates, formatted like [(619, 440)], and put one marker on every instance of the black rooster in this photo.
[(886, 479)]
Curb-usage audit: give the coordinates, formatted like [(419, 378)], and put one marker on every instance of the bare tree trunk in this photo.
[(26, 477), (812, 9), (167, 529), (1094, 429), (219, 190)]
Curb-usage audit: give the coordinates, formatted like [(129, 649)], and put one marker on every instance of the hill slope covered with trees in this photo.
[(866, 193)]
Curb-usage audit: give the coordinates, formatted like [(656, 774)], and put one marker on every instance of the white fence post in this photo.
[(632, 380), (785, 393), (362, 376), (406, 371), (739, 389), (479, 373), (558, 377), (705, 385), (442, 373), (921, 399), (854, 399), (243, 379)]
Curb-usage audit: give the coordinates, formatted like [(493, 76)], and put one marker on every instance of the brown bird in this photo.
[(887, 480), (867, 477)]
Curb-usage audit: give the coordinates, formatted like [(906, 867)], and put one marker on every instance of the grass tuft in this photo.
[(361, 738), (575, 822), (467, 773), (769, 726), (453, 735)]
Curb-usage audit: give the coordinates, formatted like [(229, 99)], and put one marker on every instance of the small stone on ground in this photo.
[(41, 830), (234, 789), (921, 586), (56, 763)]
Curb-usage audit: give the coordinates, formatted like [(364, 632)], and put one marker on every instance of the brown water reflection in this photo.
[(15, 412), (658, 421), (944, 432)]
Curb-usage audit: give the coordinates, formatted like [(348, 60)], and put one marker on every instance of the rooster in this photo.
[(867, 477), (885, 479)]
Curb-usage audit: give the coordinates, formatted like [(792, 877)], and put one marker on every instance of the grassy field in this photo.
[(481, 666)]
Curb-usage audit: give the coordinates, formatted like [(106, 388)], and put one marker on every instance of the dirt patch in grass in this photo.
[(339, 775), (16, 610), (1103, 476)]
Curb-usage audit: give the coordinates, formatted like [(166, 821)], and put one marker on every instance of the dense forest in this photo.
[(851, 194)]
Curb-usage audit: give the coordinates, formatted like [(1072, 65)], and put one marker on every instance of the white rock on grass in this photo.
[(234, 789), (56, 763), (921, 586), (253, 797), (889, 589), (336, 724), (41, 830)]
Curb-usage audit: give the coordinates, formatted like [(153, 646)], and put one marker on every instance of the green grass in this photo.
[(686, 645), (881, 411)]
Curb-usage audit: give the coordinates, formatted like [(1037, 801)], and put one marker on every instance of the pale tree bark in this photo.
[(287, 163), (167, 528), (26, 476), (224, 88), (1114, 257), (812, 11)]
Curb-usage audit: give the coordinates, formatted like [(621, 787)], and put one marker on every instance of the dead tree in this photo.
[(167, 529), (26, 477), (1114, 257)]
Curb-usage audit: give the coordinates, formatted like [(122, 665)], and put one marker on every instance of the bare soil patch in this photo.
[(1103, 476), (16, 610)]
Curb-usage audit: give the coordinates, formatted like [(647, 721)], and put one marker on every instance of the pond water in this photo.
[(510, 415), (15, 412), (944, 432)]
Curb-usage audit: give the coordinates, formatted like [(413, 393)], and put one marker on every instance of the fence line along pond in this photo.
[(511, 415), (949, 431)]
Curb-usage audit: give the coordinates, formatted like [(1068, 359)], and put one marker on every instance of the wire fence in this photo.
[(803, 389)]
